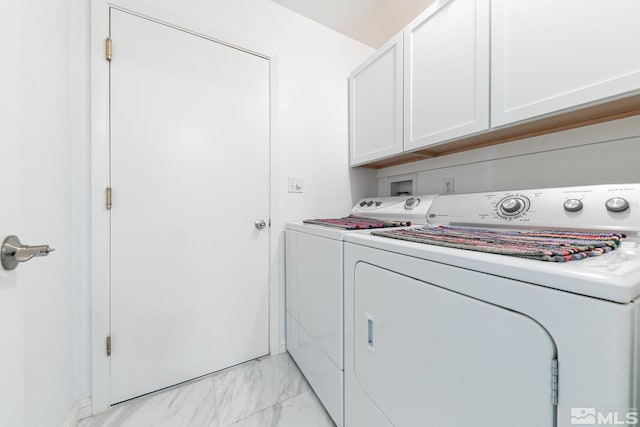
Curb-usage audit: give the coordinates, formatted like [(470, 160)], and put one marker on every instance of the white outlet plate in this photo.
[(296, 185), (448, 186)]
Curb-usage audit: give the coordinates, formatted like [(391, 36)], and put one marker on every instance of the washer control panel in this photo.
[(402, 208), (589, 207)]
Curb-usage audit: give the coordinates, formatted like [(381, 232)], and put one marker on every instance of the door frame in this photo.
[(100, 220)]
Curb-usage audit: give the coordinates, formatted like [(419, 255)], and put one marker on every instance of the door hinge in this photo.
[(108, 346), (108, 198), (108, 49), (554, 382)]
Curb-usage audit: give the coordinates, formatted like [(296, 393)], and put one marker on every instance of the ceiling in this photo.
[(370, 21)]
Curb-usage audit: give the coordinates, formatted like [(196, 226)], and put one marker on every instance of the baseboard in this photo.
[(81, 409)]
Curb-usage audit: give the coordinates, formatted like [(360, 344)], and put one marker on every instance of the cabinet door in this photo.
[(550, 55), (447, 73), (376, 105)]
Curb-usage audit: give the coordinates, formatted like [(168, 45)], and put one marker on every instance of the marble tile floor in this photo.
[(266, 392)]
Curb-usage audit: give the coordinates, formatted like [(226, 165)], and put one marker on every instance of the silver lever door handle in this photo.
[(13, 252)]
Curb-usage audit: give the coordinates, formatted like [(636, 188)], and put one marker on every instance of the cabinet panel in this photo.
[(447, 73), (549, 55), (376, 105)]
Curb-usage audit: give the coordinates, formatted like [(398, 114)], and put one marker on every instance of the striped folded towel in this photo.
[(353, 222), (557, 246)]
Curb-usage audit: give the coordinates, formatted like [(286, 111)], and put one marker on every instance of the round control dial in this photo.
[(617, 204), (411, 203), (573, 205), (512, 206)]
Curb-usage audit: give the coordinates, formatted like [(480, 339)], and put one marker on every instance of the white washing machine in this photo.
[(314, 293), (443, 337)]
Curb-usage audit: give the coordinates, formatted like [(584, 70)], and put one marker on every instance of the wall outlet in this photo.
[(448, 186), (296, 185)]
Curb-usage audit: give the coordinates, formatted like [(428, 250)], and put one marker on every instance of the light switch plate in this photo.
[(296, 185)]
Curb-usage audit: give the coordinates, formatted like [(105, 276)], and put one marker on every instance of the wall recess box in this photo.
[(448, 186)]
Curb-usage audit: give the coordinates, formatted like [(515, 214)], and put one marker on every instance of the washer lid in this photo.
[(328, 232), (318, 230), (397, 208)]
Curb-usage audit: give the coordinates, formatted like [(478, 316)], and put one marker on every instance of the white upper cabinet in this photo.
[(376, 105), (446, 72), (466, 68), (550, 55)]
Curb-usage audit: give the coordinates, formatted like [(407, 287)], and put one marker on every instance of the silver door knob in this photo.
[(260, 224), (13, 252)]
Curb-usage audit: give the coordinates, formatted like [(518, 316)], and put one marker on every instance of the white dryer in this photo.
[(314, 292), (443, 337)]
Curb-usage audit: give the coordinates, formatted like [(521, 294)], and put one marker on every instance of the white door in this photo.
[(190, 177), (446, 73), (12, 373)]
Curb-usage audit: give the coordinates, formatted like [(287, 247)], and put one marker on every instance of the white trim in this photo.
[(81, 409), (192, 32), (100, 298), (100, 327), (162, 15), (275, 218), (283, 346)]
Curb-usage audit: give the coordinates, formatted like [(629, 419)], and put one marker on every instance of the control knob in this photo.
[(617, 204), (370, 203), (363, 204), (512, 206), (573, 205), (411, 203)]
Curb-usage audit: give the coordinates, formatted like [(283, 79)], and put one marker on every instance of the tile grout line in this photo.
[(265, 409)]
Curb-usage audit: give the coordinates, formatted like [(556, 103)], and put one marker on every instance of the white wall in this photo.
[(600, 154), (46, 189), (80, 50), (311, 120), (12, 402)]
